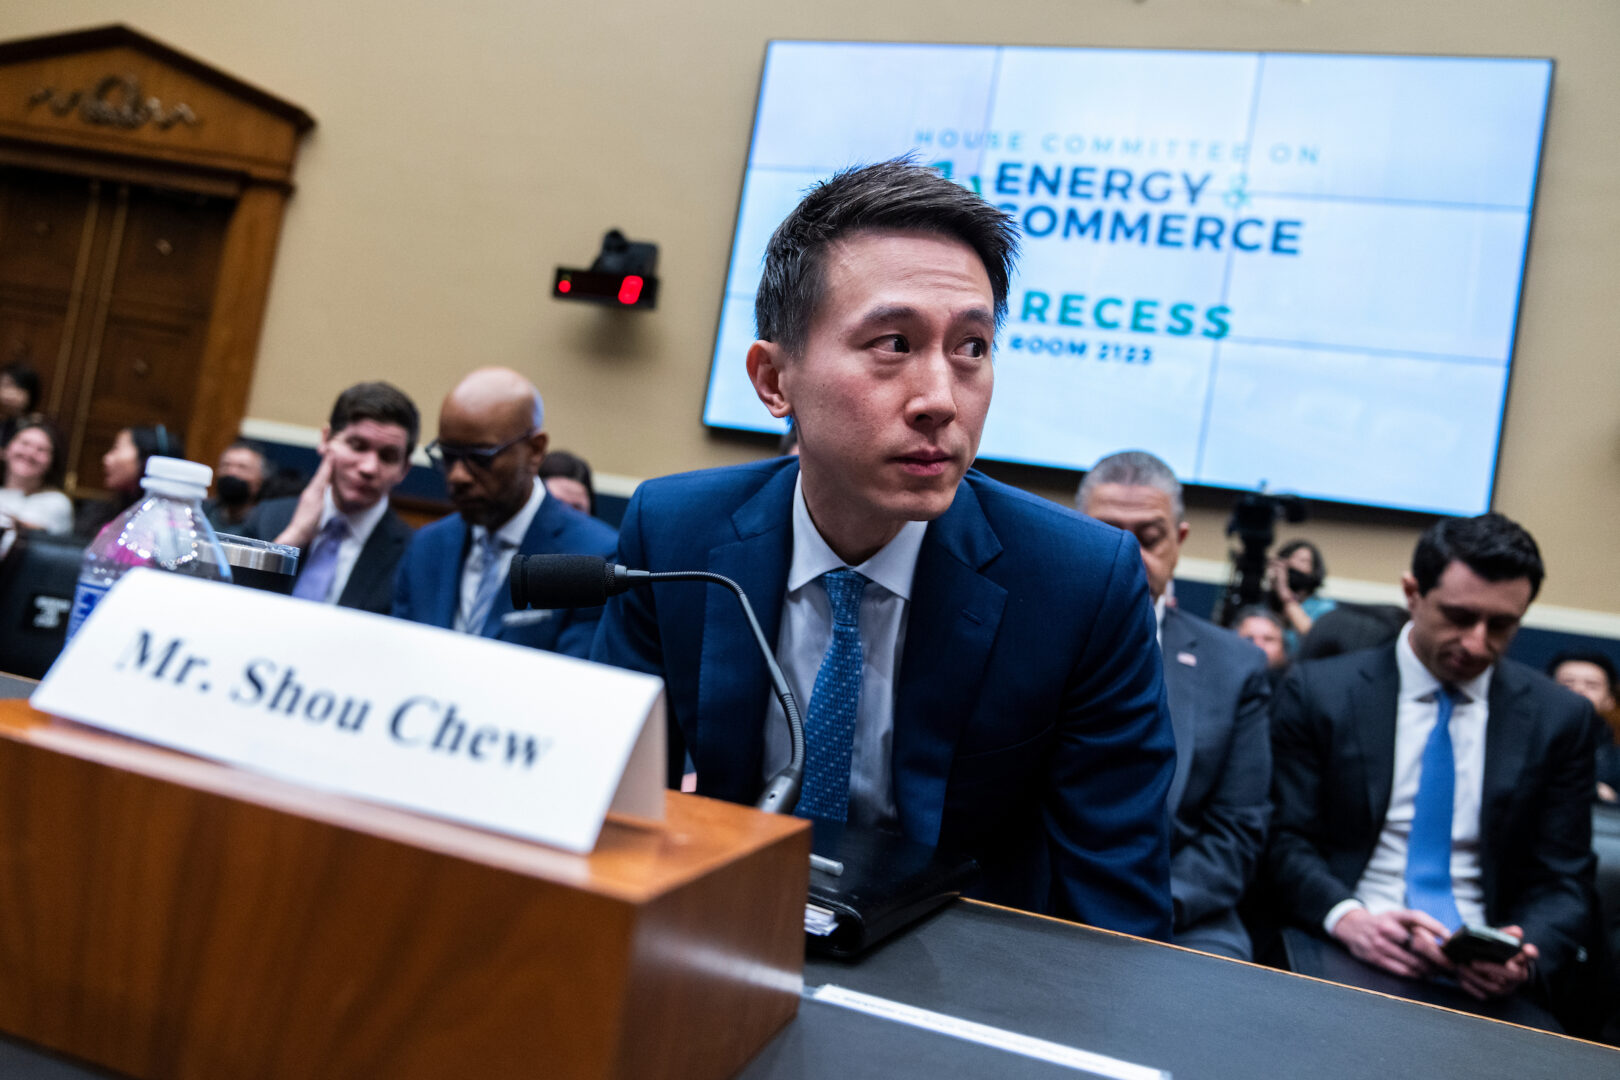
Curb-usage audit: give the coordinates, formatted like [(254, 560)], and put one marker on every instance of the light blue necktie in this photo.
[(829, 729), (316, 580), (489, 581), (1428, 849)]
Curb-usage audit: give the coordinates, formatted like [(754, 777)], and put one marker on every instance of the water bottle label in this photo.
[(85, 599)]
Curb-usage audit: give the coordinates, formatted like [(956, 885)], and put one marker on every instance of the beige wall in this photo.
[(465, 150)]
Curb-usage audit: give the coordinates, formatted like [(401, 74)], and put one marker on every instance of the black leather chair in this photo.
[(37, 579)]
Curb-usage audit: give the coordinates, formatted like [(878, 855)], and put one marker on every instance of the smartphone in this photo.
[(1481, 943)]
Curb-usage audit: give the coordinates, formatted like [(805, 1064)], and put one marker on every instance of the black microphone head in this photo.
[(560, 581)]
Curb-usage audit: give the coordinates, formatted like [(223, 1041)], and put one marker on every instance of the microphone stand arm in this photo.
[(781, 793)]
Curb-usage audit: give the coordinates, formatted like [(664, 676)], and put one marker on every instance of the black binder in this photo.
[(887, 883)]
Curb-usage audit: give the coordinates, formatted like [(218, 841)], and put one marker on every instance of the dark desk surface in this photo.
[(1194, 1016)]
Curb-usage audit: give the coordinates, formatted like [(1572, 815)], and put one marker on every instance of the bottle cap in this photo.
[(178, 470)]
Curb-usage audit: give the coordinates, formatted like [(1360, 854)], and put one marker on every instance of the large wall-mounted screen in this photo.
[(1297, 270)]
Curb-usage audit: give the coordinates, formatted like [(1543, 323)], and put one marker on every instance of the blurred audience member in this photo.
[(568, 477), (238, 483), (1297, 573), (1262, 627), (122, 468), (1350, 628), (1592, 675), (490, 445), (349, 541), (32, 498), (1217, 691), (1432, 784), (19, 397)]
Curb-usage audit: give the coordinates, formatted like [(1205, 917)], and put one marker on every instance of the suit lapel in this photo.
[(374, 565), (955, 614), (442, 592), (1180, 638), (1372, 724), (1506, 747), (733, 686)]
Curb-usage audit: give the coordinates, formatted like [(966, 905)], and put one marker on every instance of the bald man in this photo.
[(490, 445)]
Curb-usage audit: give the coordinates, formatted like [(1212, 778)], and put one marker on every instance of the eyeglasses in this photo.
[(445, 455)]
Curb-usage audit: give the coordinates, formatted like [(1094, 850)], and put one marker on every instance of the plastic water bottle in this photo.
[(165, 529)]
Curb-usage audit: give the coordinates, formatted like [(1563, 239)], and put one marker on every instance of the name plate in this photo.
[(482, 732)]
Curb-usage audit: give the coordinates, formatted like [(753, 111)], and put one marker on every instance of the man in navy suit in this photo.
[(977, 666), (1218, 693), (1432, 783), (454, 575), (350, 542)]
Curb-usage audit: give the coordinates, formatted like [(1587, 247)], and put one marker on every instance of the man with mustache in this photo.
[(491, 442), (976, 666)]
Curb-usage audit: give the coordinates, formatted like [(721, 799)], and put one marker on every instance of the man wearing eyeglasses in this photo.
[(490, 445)]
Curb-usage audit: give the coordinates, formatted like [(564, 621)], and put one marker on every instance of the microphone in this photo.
[(568, 581)]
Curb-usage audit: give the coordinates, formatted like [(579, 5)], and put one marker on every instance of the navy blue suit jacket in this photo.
[(1030, 728), (1220, 796), (428, 588)]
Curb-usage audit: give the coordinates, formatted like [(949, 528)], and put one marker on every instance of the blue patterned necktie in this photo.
[(316, 580), (489, 581), (1428, 849), (829, 729)]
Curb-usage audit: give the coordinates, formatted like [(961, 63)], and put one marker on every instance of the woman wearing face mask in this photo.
[(122, 468), (1297, 572), (31, 498)]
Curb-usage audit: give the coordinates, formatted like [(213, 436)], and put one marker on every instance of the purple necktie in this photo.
[(316, 580)]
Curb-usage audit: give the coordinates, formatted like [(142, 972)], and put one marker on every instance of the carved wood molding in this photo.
[(115, 101)]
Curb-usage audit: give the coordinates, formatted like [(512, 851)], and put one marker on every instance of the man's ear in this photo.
[(326, 437), (1181, 533), (537, 446), (1409, 586), (766, 363)]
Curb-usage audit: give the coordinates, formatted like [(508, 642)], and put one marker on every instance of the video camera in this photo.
[(1254, 524)]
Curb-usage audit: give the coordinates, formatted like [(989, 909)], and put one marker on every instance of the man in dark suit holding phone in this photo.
[(977, 666), (1432, 784)]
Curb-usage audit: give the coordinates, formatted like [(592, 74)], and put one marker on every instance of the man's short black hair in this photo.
[(1493, 546), (898, 194), (381, 402), (1599, 660)]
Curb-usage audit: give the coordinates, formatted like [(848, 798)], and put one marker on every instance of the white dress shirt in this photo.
[(512, 534), (361, 524), (802, 643), (1383, 884)]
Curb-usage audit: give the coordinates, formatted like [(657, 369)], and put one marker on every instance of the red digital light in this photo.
[(564, 285), (630, 289)]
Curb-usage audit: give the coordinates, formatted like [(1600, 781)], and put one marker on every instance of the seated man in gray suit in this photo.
[(350, 542), (1218, 692)]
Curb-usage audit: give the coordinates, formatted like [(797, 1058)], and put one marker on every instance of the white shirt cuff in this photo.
[(1338, 911)]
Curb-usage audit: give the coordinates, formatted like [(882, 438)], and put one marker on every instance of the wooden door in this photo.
[(106, 288)]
